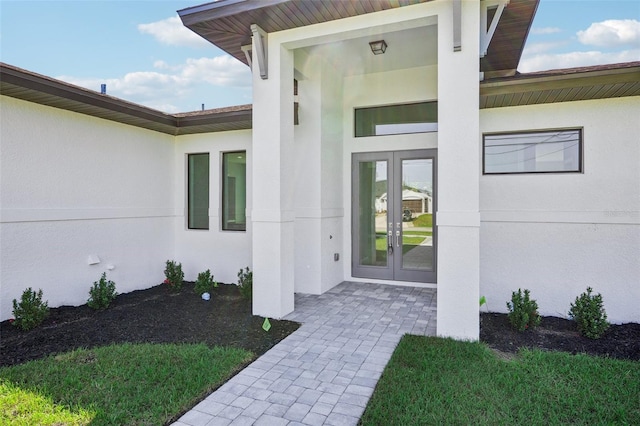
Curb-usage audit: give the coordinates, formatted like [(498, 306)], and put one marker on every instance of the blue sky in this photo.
[(143, 53)]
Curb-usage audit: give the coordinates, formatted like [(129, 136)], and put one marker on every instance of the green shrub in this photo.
[(523, 311), (205, 283), (245, 282), (102, 293), (31, 310), (589, 314), (173, 275)]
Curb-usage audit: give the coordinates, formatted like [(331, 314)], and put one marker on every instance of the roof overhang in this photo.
[(575, 84), (22, 84), (227, 24), (571, 84), (506, 46)]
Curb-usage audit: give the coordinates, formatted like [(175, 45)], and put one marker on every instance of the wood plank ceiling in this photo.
[(226, 23), (505, 49)]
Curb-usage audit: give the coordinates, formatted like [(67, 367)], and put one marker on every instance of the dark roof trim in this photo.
[(220, 9), (21, 78), (596, 82), (571, 84), (29, 86)]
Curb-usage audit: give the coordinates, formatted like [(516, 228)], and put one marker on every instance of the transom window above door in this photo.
[(421, 117)]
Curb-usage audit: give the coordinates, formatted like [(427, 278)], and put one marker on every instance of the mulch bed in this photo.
[(155, 315), (558, 334)]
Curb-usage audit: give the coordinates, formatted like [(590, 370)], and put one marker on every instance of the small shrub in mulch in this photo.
[(155, 315), (621, 341)]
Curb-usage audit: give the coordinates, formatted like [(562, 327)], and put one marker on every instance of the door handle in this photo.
[(397, 238), (390, 241)]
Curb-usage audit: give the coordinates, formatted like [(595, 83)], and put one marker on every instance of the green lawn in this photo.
[(408, 241), (441, 381), (424, 220), (421, 233), (118, 384)]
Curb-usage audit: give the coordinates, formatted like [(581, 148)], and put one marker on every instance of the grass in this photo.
[(424, 220), (421, 233), (408, 241), (441, 381), (118, 384)]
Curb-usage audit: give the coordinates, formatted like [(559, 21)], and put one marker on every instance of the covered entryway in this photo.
[(392, 241)]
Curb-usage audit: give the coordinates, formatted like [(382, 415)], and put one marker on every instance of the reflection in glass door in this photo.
[(394, 197)]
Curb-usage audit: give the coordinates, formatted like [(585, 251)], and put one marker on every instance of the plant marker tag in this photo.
[(483, 300), (266, 325)]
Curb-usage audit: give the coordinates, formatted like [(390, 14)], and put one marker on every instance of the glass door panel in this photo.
[(394, 204), (417, 214), (373, 213)]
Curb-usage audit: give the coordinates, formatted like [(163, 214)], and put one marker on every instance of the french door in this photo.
[(394, 205)]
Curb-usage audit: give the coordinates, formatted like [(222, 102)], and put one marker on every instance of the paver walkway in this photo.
[(325, 372)]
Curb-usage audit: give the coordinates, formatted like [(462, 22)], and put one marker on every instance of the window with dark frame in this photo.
[(548, 151), (198, 191), (234, 191), (418, 117)]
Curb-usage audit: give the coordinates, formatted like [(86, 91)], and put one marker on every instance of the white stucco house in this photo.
[(416, 201), (535, 178)]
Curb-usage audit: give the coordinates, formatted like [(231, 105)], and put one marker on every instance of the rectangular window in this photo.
[(549, 151), (234, 191), (198, 191), (396, 119)]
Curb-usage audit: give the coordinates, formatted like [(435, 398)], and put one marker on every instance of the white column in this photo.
[(273, 189), (458, 216)]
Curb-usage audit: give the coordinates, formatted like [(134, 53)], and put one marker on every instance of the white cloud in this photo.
[(219, 71), (543, 62), (542, 47), (545, 30), (611, 33), (171, 31), (161, 65), (172, 84)]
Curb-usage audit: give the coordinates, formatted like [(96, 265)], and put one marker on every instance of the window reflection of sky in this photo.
[(416, 174)]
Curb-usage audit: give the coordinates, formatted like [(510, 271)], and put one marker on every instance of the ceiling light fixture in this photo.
[(378, 47)]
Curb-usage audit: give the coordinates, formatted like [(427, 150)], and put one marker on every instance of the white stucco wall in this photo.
[(318, 176), (556, 234), (75, 186), (223, 252), (332, 235)]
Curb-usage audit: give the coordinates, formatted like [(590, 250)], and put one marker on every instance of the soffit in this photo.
[(226, 23), (572, 84), (21, 84), (505, 49)]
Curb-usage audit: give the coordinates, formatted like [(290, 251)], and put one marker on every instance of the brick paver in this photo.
[(326, 371)]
